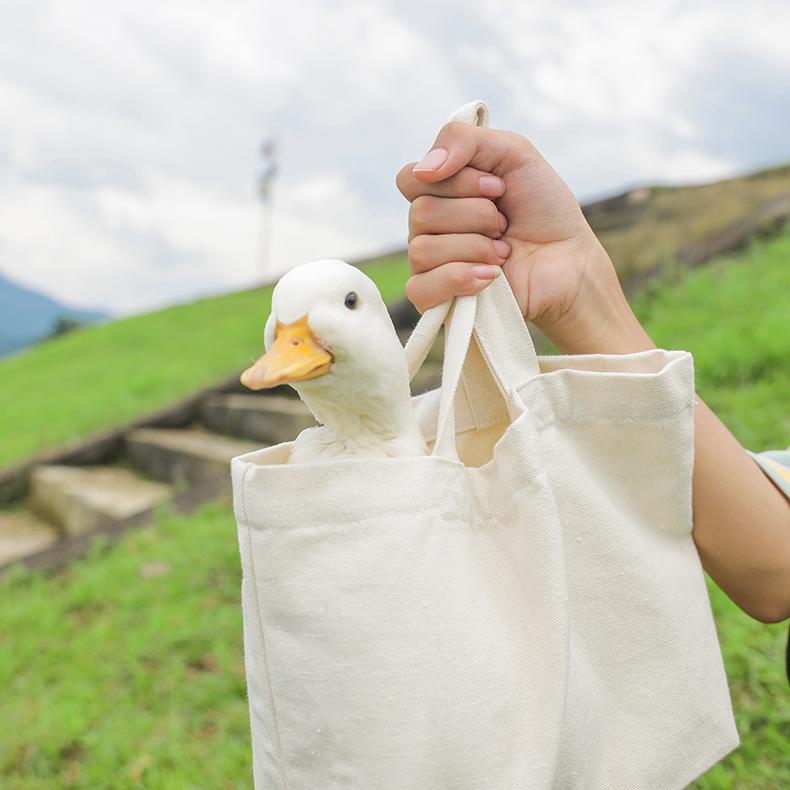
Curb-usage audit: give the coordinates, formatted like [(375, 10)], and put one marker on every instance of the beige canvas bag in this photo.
[(523, 608)]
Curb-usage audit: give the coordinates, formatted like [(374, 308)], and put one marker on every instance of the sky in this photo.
[(130, 133)]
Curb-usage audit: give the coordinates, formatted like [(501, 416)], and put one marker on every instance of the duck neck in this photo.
[(372, 412)]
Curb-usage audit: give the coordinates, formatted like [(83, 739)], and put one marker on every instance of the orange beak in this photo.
[(295, 355)]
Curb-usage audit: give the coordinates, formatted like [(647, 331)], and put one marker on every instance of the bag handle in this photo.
[(493, 316)]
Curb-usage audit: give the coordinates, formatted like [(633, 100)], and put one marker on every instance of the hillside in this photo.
[(651, 229), (99, 376), (27, 315)]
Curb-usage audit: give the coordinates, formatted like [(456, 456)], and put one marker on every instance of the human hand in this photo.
[(482, 199)]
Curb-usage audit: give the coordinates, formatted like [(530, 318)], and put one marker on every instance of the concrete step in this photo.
[(21, 534), (78, 499), (267, 418), (184, 456)]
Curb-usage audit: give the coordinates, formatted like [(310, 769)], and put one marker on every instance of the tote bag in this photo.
[(522, 608)]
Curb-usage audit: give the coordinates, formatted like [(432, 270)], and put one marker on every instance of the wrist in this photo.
[(600, 320)]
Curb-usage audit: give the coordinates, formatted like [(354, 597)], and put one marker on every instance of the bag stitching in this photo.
[(260, 621)]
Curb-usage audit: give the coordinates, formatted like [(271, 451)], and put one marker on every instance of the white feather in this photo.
[(364, 403)]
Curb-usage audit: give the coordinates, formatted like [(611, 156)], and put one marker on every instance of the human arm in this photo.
[(486, 186)]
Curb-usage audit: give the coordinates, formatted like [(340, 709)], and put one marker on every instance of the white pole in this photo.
[(265, 239), (266, 194)]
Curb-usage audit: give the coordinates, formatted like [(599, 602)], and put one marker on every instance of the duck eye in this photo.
[(351, 300)]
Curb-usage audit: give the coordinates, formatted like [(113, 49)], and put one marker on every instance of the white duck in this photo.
[(331, 338)]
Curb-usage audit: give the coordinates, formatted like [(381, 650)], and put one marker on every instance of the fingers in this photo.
[(455, 227), (459, 145), (467, 182), (453, 279), (426, 252), (435, 215)]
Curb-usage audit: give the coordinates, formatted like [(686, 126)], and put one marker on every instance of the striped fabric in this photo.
[(776, 464)]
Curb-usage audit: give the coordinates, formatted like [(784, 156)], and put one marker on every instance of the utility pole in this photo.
[(265, 192)]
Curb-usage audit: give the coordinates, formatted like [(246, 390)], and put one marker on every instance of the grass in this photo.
[(733, 316), (97, 377), (126, 670)]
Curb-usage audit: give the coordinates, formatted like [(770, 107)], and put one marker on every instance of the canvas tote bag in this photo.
[(522, 608)]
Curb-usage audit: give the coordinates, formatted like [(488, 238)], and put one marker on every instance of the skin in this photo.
[(477, 186)]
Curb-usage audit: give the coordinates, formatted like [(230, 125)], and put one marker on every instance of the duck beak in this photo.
[(295, 355)]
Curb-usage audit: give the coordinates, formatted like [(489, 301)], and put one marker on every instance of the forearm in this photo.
[(741, 520)]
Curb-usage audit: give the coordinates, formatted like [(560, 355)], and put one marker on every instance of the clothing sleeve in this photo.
[(776, 464)]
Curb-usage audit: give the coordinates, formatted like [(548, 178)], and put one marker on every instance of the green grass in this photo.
[(100, 376), (733, 315), (113, 677), (754, 661)]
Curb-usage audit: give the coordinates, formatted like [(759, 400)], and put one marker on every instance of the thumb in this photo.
[(459, 145)]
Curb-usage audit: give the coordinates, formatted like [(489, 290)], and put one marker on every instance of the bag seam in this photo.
[(260, 623)]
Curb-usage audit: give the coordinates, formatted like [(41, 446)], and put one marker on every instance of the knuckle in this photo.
[(490, 255), (520, 141), (461, 278), (454, 129), (413, 292), (472, 286), (403, 178), (420, 211), (420, 250), (491, 220)]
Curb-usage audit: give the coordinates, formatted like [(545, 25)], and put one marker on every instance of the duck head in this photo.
[(330, 336)]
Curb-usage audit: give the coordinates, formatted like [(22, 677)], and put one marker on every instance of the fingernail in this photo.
[(502, 222), (502, 248), (484, 271), (433, 160), (491, 186)]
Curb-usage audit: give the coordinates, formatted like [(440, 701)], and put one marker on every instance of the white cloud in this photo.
[(130, 131)]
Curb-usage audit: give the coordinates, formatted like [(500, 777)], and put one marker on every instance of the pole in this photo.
[(265, 192)]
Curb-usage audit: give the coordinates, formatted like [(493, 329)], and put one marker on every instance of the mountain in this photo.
[(27, 315)]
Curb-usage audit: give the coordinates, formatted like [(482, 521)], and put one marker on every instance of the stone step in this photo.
[(267, 418), (184, 456), (22, 533), (78, 499)]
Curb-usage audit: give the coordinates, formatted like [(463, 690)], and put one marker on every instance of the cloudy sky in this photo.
[(130, 133)]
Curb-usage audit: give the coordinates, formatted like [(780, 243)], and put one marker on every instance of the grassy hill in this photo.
[(100, 376), (126, 669), (654, 229)]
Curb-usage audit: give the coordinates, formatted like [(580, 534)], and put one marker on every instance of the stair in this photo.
[(185, 456), (266, 418), (23, 534), (68, 504), (78, 499)]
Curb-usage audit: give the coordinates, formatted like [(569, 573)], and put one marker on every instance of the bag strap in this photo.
[(495, 320), (424, 335)]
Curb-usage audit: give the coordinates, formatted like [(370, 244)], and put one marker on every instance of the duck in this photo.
[(330, 337)]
